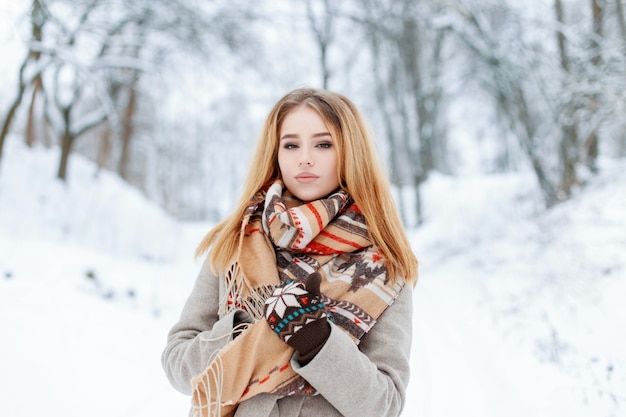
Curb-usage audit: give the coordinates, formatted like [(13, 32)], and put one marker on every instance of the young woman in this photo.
[(303, 306)]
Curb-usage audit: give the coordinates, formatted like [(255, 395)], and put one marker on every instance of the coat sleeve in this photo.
[(370, 379), (198, 334)]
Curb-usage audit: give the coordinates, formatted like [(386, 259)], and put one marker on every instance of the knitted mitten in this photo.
[(298, 316)]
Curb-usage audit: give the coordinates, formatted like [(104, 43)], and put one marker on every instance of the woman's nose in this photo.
[(305, 159)]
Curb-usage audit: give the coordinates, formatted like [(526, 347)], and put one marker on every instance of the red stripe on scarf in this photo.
[(320, 225), (354, 207), (341, 240)]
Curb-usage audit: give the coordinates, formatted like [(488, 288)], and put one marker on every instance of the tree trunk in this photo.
[(621, 20), (66, 145), (7, 121), (6, 125), (590, 150), (104, 148), (66, 148), (568, 154), (37, 20), (30, 123), (127, 130), (568, 145), (527, 137)]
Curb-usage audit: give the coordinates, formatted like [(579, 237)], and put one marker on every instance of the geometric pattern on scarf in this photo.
[(284, 239)]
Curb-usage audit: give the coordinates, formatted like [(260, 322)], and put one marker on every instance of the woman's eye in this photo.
[(325, 145), (290, 146)]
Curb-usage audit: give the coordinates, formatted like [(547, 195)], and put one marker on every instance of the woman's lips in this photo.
[(306, 177)]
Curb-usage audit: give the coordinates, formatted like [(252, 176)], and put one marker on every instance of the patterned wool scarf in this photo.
[(283, 238)]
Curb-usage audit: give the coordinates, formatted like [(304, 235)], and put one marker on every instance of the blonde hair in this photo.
[(358, 171)]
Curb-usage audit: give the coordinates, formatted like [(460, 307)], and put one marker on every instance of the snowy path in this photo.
[(440, 365), (461, 366)]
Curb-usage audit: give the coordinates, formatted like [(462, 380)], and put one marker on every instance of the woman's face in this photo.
[(307, 156)]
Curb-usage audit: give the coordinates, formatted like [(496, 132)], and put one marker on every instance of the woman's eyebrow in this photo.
[(295, 136)]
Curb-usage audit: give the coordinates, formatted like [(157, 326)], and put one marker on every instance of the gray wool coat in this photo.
[(365, 380)]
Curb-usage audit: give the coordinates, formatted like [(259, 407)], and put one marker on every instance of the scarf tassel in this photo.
[(240, 296), (207, 396)]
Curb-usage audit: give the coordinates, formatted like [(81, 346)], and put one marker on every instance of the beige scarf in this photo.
[(283, 238)]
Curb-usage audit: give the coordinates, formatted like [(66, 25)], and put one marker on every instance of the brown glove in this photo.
[(298, 316)]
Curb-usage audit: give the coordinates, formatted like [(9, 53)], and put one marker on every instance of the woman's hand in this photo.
[(298, 316)]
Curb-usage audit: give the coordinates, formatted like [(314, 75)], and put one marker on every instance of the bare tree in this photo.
[(509, 73), (322, 26), (74, 88), (80, 94), (407, 67), (29, 75)]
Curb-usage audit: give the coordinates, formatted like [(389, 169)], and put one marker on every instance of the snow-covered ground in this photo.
[(518, 312)]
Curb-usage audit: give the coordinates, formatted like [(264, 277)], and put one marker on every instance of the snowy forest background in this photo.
[(125, 131), (169, 93)]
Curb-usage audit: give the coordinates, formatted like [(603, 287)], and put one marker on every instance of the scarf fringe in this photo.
[(253, 303), (203, 404)]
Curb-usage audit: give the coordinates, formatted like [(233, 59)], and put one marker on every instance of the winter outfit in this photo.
[(310, 290)]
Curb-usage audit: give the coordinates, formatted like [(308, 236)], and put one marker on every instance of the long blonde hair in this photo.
[(358, 170)]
